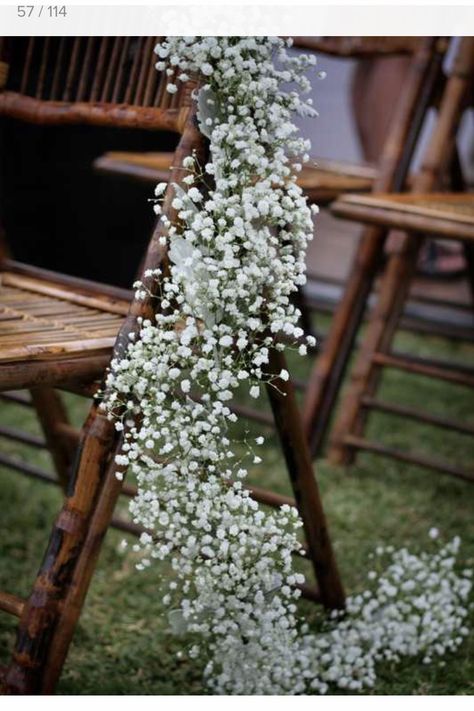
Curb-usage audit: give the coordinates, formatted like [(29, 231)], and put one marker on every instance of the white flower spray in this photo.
[(237, 255)]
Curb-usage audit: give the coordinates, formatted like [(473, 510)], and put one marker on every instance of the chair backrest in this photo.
[(102, 81), (108, 81)]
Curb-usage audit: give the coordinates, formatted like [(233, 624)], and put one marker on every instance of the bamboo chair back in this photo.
[(108, 81)]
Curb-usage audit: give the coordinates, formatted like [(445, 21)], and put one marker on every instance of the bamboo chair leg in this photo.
[(382, 325), (305, 488), (45, 607), (51, 413), (400, 268), (84, 570), (326, 378)]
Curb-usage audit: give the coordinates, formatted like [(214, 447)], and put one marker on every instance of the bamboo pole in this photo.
[(300, 469), (27, 108)]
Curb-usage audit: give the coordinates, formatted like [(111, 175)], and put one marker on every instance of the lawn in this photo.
[(122, 645)]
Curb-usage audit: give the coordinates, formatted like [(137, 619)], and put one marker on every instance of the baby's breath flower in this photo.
[(237, 255), (160, 189)]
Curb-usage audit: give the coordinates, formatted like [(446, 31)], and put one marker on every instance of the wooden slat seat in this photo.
[(43, 320), (322, 180), (447, 215), (151, 167)]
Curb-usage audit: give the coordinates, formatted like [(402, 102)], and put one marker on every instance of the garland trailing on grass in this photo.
[(237, 255)]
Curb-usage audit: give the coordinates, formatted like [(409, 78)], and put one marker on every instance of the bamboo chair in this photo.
[(50, 321), (445, 215), (422, 90), (418, 213), (326, 182), (47, 618)]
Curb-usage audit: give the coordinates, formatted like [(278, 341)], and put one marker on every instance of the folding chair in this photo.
[(50, 317), (325, 181), (444, 215), (418, 213), (422, 84), (82, 90)]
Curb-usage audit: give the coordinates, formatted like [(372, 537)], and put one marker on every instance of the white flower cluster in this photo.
[(418, 608), (237, 254)]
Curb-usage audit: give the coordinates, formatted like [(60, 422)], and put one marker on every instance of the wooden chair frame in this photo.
[(49, 616), (422, 85)]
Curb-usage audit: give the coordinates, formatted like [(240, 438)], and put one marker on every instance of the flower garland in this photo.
[(237, 254)]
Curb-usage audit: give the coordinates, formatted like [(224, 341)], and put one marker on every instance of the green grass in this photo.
[(122, 645)]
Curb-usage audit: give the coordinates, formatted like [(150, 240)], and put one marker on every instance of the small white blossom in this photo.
[(160, 189), (185, 386)]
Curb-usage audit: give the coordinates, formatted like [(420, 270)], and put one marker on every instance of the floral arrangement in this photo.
[(237, 254)]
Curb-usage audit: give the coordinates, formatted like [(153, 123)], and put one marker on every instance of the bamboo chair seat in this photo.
[(322, 180), (150, 167), (447, 215), (42, 320)]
